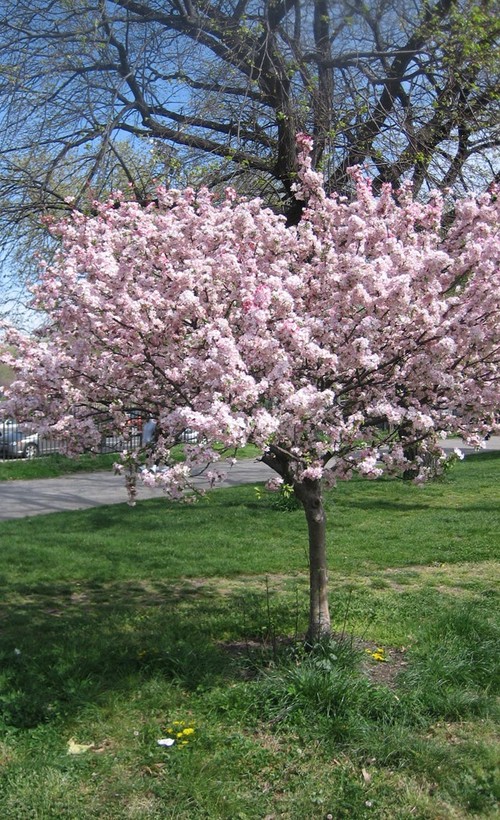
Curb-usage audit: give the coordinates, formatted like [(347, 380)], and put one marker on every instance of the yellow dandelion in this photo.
[(378, 654)]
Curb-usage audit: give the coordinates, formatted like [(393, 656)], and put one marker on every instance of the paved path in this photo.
[(19, 499), (82, 490)]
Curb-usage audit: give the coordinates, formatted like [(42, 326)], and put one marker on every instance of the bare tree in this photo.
[(96, 93)]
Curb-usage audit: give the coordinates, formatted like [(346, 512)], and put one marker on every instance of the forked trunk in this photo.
[(310, 495)]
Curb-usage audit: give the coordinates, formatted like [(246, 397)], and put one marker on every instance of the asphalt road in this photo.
[(38, 496), (19, 499)]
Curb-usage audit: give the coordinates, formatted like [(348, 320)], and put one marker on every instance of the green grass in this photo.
[(54, 465), (115, 622)]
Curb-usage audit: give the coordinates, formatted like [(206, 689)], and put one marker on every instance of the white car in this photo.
[(17, 443)]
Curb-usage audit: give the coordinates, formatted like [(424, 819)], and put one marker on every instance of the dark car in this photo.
[(18, 443)]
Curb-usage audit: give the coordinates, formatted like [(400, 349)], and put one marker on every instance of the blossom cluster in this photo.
[(349, 343)]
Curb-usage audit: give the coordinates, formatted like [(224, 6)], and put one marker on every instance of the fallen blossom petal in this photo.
[(75, 748)]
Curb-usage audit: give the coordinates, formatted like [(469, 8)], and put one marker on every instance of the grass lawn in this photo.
[(54, 465), (120, 627)]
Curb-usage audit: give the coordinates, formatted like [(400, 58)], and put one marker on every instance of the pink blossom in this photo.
[(274, 484), (369, 467), (355, 339), (312, 473)]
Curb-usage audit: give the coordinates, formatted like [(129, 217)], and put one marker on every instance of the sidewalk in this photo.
[(19, 499)]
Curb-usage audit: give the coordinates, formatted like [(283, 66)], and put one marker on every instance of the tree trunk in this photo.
[(310, 495)]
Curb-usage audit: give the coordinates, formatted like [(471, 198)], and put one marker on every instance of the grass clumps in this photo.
[(124, 630), (277, 728)]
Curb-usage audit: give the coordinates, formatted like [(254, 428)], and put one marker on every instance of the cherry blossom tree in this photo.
[(348, 344)]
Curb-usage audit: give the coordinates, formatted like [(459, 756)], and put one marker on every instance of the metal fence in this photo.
[(16, 442)]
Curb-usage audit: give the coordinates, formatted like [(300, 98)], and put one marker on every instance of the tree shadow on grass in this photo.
[(407, 506), (491, 455), (63, 648), (195, 515), (382, 504)]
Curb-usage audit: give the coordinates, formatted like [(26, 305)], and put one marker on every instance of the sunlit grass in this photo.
[(371, 526), (54, 465)]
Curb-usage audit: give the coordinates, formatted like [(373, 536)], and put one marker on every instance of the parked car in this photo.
[(17, 443), (135, 420), (115, 438)]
